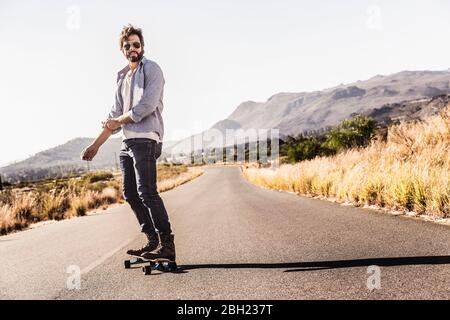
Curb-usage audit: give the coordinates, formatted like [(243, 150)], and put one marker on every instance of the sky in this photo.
[(59, 59)]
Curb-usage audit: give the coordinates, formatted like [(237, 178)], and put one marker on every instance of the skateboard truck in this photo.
[(129, 263), (163, 265)]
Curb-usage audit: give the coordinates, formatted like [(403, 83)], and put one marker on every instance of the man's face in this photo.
[(130, 50)]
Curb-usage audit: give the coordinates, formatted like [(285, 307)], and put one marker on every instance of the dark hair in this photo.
[(128, 31)]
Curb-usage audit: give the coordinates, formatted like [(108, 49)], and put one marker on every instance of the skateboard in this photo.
[(162, 265)]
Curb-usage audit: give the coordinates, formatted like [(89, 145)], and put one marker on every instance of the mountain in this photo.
[(295, 113), (410, 110), (402, 96), (62, 160)]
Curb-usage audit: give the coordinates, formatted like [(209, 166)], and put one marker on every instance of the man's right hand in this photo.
[(111, 124), (89, 153)]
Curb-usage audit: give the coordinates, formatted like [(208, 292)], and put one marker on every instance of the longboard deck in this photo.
[(163, 265)]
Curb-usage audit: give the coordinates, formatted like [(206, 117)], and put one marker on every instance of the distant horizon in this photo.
[(166, 141)]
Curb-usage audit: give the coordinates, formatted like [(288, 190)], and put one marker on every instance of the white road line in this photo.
[(103, 258)]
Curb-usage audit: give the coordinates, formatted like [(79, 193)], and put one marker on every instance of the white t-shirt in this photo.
[(126, 97)]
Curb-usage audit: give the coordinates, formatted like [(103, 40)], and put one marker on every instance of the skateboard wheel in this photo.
[(147, 270), (127, 264), (172, 266)]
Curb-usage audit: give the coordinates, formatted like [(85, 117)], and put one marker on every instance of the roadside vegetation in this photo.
[(407, 171), (351, 133), (58, 199)]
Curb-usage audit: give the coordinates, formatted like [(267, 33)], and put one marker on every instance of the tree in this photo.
[(305, 150), (351, 133), (354, 132)]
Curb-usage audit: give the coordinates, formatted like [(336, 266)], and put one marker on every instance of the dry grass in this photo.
[(175, 181), (169, 171), (409, 172), (74, 197)]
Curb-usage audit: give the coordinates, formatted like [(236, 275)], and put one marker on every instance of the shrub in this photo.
[(8, 222), (351, 133), (305, 150), (97, 186), (92, 177), (56, 204), (79, 206), (93, 199), (109, 195)]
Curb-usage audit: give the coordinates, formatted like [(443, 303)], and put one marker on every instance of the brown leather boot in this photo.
[(165, 251), (152, 244)]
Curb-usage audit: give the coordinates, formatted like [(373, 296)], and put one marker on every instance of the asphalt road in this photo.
[(234, 241)]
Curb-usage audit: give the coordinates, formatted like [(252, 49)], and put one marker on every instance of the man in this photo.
[(137, 112)]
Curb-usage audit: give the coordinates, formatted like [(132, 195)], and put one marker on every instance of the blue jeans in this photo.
[(138, 164)]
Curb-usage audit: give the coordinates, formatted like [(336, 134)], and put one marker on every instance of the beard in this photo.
[(135, 58)]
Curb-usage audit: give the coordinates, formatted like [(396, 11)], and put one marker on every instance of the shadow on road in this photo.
[(325, 265)]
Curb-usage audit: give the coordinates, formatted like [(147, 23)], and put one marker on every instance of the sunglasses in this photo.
[(135, 45)]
